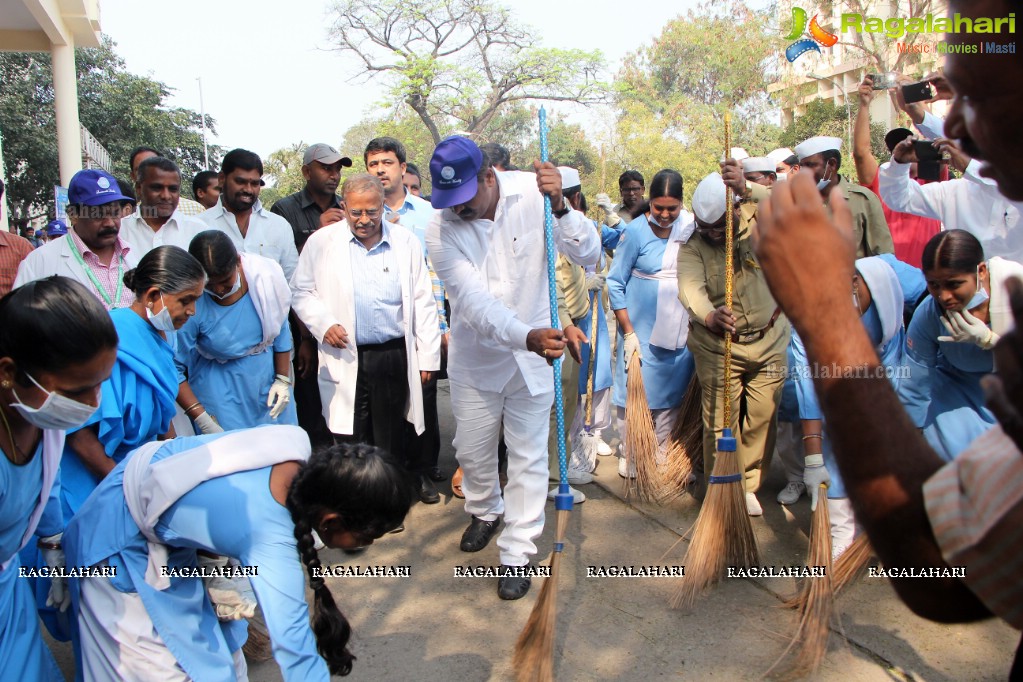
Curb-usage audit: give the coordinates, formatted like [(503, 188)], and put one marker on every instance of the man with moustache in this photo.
[(317, 203), (186, 206), (252, 228), (157, 220)]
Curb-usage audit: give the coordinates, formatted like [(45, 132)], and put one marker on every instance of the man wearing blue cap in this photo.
[(92, 252), (487, 245)]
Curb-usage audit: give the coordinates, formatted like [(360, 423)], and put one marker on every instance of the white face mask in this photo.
[(162, 320), (57, 412), (234, 289), (979, 297), (825, 181)]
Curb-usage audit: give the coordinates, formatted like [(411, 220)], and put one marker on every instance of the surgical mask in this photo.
[(58, 412), (980, 297), (162, 320), (782, 177), (823, 184), (234, 289)]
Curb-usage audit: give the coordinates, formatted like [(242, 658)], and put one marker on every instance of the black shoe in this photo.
[(478, 534), (436, 474), (354, 550), (513, 586), (427, 491)]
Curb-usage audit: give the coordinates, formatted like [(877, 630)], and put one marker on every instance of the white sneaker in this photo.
[(579, 477), (603, 449), (624, 470), (577, 495), (753, 505), (791, 493), (837, 550)]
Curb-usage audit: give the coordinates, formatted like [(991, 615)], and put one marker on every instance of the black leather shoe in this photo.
[(436, 474), (478, 534), (513, 586), (428, 491)]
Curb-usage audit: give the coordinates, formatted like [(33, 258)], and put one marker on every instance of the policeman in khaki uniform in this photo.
[(760, 333)]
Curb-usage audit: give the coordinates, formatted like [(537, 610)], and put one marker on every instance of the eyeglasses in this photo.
[(371, 213), (632, 190)]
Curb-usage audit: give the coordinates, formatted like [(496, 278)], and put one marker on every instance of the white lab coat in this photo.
[(324, 295), (54, 258)]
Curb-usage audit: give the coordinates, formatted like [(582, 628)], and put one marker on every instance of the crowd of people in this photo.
[(170, 369)]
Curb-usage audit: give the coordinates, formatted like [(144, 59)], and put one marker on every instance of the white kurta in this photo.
[(268, 235), (324, 295), (177, 231)]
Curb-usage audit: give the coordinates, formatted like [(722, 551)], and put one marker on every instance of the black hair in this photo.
[(791, 161), (159, 162), (957, 250), (241, 158), (667, 183), (127, 190), (409, 168), (631, 175), (384, 144), (486, 163), (371, 493), (498, 155), (201, 181), (50, 324), (168, 268), (215, 252), (138, 150), (829, 154)]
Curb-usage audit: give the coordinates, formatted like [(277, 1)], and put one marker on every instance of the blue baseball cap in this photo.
[(55, 228), (453, 169), (93, 187)]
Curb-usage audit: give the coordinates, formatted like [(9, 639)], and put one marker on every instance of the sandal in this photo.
[(456, 484)]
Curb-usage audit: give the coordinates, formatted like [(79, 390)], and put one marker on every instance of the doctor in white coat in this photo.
[(362, 288)]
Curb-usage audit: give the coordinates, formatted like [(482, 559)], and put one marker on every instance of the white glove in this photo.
[(279, 396), (232, 598), (631, 346), (595, 281), (207, 424), (59, 596), (815, 474), (965, 328), (611, 217)]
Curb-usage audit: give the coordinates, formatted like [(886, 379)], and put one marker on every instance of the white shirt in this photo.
[(496, 278), (269, 235), (177, 231), (969, 204)]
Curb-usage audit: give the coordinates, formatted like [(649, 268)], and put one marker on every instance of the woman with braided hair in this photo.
[(256, 495)]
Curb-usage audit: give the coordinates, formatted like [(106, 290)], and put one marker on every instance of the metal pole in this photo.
[(202, 114)]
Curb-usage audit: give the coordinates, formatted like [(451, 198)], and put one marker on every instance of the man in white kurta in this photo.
[(487, 246), (158, 220), (362, 289)]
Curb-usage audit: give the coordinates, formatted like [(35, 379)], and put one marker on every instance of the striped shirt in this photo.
[(378, 314), (13, 250), (975, 506), (107, 275)]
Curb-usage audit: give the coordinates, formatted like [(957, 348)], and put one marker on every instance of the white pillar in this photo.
[(5, 209), (65, 88)]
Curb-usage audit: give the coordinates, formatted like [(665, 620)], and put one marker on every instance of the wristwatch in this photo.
[(563, 212)]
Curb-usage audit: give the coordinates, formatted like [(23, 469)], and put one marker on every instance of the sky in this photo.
[(270, 79)]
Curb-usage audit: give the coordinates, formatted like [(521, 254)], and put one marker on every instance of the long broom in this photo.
[(640, 438), (723, 535), (588, 442), (534, 650), (810, 639), (685, 444)]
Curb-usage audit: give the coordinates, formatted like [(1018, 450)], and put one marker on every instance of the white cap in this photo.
[(738, 153), (816, 145), (758, 164), (779, 155), (709, 198), (569, 177)]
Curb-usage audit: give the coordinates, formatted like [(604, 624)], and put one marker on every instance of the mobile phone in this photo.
[(917, 92), (883, 81), (928, 170), (926, 152)]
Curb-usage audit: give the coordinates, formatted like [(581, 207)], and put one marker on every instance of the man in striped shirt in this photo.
[(13, 250)]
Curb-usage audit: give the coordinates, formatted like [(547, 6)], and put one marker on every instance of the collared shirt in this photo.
[(110, 277), (870, 229), (269, 235), (177, 231), (496, 278), (968, 203), (378, 313), (189, 207), (416, 213), (302, 213), (13, 250)]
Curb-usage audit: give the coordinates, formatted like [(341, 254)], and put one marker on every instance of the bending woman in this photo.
[(254, 494), (57, 345), (237, 348)]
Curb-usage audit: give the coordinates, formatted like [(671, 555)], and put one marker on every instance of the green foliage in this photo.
[(122, 110), (822, 117), (282, 171)]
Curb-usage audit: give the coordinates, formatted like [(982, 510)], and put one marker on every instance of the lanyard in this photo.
[(95, 282)]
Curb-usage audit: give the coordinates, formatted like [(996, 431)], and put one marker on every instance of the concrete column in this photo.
[(65, 88), (5, 209)]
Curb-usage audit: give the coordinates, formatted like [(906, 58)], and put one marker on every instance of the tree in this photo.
[(282, 171), (122, 110), (822, 117), (458, 63)]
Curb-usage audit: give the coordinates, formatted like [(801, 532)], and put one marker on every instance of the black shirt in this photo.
[(302, 213)]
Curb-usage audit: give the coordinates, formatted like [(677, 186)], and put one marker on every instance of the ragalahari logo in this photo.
[(803, 45)]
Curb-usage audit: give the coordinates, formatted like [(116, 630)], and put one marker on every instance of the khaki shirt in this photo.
[(573, 301)]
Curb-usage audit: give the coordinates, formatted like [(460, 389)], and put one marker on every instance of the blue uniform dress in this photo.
[(231, 383), (23, 655), (666, 373), (942, 393), (234, 515), (137, 403)]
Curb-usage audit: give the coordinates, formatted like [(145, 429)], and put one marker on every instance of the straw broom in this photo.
[(848, 568), (810, 639), (685, 444), (723, 535), (588, 441), (534, 650), (640, 438)]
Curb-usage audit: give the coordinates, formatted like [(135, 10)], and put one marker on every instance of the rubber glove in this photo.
[(279, 396), (815, 474), (232, 598), (207, 424), (632, 346), (611, 217), (595, 281), (59, 596), (965, 328)]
